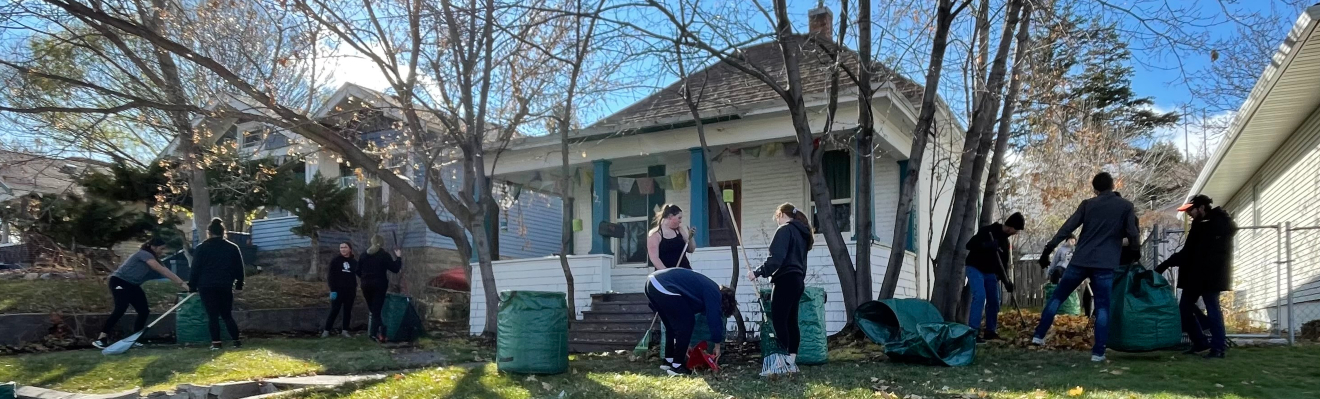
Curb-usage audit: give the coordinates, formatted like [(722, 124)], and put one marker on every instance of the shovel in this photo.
[(125, 344)]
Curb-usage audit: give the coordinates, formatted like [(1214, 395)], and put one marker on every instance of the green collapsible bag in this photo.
[(8, 390), (533, 332), (912, 331), (812, 349), (1071, 306), (190, 323), (402, 323), (1143, 311)]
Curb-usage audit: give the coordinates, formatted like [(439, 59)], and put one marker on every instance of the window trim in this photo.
[(614, 215)]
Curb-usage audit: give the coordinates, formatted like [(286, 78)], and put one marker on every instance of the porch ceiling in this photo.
[(1284, 96)]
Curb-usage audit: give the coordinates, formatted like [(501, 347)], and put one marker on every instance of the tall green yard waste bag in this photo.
[(402, 323), (812, 349), (1071, 306), (8, 390), (912, 331), (533, 332), (1143, 311), (191, 325)]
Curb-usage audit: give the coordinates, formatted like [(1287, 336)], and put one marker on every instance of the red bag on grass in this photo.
[(699, 359)]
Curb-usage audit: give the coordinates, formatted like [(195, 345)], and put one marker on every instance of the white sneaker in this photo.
[(666, 367), (346, 334), (1038, 341), (1097, 358), (325, 334)]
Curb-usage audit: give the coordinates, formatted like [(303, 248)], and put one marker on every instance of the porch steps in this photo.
[(615, 322)]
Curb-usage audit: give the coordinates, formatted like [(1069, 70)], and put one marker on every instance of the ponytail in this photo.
[(793, 212)]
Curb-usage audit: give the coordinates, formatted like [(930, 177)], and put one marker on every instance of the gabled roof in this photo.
[(1284, 96), (23, 173), (725, 90)]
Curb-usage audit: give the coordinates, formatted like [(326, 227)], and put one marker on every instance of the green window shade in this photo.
[(838, 173)]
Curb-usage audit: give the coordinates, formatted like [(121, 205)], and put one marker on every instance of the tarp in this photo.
[(1143, 311), (402, 323), (912, 330), (812, 349), (1071, 306), (190, 324), (533, 332)]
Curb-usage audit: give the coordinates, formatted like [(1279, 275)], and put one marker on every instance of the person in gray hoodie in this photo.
[(1108, 223), (787, 270)]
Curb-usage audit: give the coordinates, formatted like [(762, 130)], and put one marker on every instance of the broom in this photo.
[(645, 344), (125, 344), (774, 364)]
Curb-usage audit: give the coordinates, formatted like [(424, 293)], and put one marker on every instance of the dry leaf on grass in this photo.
[(1078, 391)]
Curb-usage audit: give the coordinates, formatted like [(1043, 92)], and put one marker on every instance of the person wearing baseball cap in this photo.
[(1205, 269), (987, 261)]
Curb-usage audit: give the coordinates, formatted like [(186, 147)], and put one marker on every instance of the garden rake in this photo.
[(774, 364), (1022, 321), (125, 344)]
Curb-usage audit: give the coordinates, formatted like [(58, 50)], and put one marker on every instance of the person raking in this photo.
[(217, 272), (1205, 269), (987, 259), (126, 288), (1108, 222), (678, 295), (787, 269)]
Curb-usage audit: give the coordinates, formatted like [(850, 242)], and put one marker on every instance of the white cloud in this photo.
[(347, 65), (1196, 135)]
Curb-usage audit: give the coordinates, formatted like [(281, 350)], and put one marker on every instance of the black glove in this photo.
[(1008, 286), (1044, 260)]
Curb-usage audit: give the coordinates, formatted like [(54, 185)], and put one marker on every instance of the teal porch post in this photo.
[(600, 206), (699, 215)]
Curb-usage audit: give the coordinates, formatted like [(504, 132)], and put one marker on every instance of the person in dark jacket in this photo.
[(669, 243), (787, 270), (126, 288), (217, 271), (987, 257), (677, 295), (342, 277), (376, 265), (1205, 269), (1108, 223)]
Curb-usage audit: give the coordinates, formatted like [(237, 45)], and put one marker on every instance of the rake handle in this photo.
[(171, 310)]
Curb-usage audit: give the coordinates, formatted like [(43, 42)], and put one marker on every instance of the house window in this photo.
[(721, 232), (837, 165), (253, 138), (635, 211), (911, 241)]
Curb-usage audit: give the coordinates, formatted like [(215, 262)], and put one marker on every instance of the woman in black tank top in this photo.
[(667, 245)]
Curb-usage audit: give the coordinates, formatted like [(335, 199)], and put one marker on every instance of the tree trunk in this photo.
[(313, 271), (864, 203), (566, 193), (990, 200), (920, 136), (967, 189)]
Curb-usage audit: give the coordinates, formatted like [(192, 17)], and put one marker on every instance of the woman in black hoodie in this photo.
[(787, 269), (376, 282), (217, 271), (342, 277)]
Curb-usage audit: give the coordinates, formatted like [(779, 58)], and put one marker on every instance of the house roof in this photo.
[(1283, 97), (725, 90), (23, 173)]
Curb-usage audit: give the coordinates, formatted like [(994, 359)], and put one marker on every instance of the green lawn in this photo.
[(91, 295), (1255, 373), (162, 368)]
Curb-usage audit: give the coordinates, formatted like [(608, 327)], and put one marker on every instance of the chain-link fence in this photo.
[(1276, 279)]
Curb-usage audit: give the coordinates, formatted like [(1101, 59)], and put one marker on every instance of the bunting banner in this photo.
[(587, 176), (626, 184), (646, 186), (754, 152), (680, 180), (772, 149), (665, 182)]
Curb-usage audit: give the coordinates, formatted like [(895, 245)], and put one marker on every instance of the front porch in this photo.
[(596, 274)]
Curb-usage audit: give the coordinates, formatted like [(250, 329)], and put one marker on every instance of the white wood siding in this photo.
[(590, 276)]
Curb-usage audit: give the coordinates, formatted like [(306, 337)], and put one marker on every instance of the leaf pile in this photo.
[(1068, 333)]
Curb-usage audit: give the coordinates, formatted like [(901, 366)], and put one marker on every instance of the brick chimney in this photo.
[(821, 23)]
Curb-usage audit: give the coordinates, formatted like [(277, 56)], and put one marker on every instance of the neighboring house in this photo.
[(1267, 172), (529, 220), (627, 165), (22, 174)]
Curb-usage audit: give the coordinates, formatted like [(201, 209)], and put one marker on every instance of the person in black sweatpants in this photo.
[(376, 265), (342, 277), (217, 272), (126, 288), (786, 268), (677, 295)]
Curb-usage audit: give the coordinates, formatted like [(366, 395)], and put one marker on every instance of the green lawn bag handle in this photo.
[(533, 332), (1071, 306), (912, 331), (811, 323), (1143, 311)]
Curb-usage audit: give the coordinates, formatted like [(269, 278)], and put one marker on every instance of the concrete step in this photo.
[(618, 297), (598, 346), (630, 338), (613, 325), (617, 316), (632, 307)]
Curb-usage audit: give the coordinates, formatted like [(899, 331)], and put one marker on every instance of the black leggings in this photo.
[(785, 299), (125, 295), (343, 300), (375, 297), (219, 303), (678, 320)]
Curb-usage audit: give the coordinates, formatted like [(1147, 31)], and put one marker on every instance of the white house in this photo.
[(648, 154), (1266, 172)]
